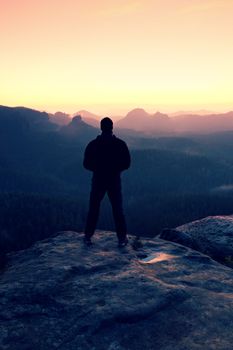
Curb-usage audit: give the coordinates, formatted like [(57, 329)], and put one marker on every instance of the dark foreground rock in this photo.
[(2, 260), (212, 236), (61, 295)]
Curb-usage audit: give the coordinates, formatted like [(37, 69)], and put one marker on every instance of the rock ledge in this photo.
[(61, 295)]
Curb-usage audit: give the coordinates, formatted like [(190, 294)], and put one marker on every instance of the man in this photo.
[(106, 156)]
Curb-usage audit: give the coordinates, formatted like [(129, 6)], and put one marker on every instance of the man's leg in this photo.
[(96, 196), (115, 196)]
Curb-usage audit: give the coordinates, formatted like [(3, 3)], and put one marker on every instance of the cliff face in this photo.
[(61, 295)]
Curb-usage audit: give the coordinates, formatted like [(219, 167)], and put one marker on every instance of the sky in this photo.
[(109, 56)]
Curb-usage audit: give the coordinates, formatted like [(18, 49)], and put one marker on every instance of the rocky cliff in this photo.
[(61, 295)]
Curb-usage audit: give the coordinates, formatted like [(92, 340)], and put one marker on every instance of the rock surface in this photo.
[(61, 295), (212, 236), (2, 260)]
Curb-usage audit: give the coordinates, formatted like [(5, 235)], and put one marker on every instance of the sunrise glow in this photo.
[(108, 55)]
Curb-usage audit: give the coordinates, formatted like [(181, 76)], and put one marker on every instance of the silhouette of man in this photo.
[(106, 156)]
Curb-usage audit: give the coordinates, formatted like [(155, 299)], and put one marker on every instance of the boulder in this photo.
[(62, 295), (212, 236)]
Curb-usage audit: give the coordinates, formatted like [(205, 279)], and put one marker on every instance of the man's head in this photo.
[(106, 125)]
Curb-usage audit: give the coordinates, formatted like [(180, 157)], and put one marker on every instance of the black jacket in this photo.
[(106, 155)]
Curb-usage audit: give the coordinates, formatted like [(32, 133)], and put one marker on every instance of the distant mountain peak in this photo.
[(86, 114), (138, 111), (79, 128), (161, 116), (138, 119), (76, 119), (89, 118), (60, 118), (59, 113)]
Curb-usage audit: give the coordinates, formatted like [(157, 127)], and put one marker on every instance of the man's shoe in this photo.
[(123, 242), (87, 241)]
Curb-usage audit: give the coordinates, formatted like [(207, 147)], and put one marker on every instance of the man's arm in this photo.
[(89, 158), (125, 158)]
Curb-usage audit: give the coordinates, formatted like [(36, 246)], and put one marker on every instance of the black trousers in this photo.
[(100, 186)]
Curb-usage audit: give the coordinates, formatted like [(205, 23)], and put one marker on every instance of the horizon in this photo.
[(117, 116), (164, 55)]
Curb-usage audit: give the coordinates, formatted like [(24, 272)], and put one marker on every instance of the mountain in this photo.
[(135, 122), (60, 118), (79, 129), (60, 295), (89, 118), (139, 120), (135, 119), (37, 157), (21, 118), (161, 124), (199, 112), (203, 124)]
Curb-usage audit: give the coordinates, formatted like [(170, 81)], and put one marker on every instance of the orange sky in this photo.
[(109, 56)]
